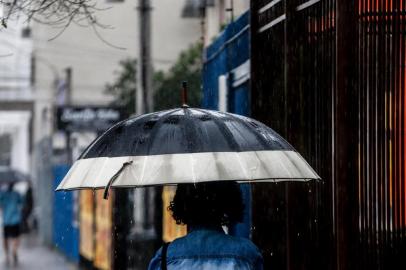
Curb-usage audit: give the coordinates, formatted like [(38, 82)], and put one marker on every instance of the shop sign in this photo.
[(83, 118)]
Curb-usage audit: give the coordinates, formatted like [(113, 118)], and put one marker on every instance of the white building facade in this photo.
[(219, 13), (16, 96)]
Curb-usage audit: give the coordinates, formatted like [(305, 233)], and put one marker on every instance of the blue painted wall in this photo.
[(228, 52), (65, 232)]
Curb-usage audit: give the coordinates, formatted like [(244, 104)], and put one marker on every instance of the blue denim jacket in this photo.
[(11, 205), (210, 249)]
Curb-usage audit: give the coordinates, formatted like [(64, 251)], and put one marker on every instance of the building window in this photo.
[(5, 150)]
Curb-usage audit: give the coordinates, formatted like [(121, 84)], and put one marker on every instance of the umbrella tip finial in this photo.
[(184, 95)]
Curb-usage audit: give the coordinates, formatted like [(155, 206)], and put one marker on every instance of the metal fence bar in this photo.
[(268, 6), (272, 23)]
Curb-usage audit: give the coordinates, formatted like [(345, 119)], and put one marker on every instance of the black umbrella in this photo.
[(8, 175), (186, 145)]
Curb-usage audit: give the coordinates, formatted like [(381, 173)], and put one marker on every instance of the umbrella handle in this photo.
[(113, 178)]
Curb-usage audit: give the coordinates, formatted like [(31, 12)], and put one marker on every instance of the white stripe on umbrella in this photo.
[(274, 165)]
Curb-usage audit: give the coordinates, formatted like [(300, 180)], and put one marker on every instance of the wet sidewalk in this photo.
[(35, 256)]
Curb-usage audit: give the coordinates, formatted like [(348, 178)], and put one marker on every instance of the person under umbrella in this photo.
[(190, 147), (11, 204), (205, 208)]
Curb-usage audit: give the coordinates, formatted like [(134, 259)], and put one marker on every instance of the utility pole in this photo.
[(68, 101), (143, 213), (68, 97), (202, 10), (144, 95), (231, 10)]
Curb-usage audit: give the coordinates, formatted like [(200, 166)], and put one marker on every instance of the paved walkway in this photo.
[(34, 256)]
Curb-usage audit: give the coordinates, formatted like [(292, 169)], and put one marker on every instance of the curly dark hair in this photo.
[(207, 204)]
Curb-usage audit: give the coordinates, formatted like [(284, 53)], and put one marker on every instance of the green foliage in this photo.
[(188, 67), (167, 86), (124, 87)]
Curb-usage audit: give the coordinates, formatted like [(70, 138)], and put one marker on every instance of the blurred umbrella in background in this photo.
[(9, 175)]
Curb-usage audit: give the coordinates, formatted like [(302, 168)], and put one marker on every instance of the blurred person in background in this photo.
[(11, 205), (205, 208)]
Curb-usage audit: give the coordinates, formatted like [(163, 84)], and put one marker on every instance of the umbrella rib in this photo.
[(242, 122), (192, 167), (155, 129), (243, 166), (141, 179), (95, 141), (225, 130)]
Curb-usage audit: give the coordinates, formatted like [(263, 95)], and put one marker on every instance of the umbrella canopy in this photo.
[(8, 175), (186, 145)]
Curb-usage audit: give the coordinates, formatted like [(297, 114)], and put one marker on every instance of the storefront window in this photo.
[(5, 150)]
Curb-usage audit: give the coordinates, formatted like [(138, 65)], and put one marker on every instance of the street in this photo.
[(35, 256)]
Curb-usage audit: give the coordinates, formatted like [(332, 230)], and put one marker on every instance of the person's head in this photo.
[(207, 204)]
